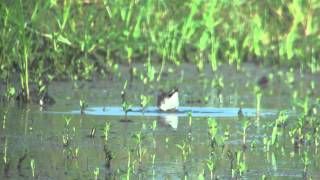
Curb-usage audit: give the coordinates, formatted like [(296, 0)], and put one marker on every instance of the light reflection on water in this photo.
[(171, 118), (180, 112)]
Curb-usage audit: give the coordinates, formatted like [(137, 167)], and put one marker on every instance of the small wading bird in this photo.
[(168, 101)]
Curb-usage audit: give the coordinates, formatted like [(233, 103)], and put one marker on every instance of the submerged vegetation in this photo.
[(258, 54)]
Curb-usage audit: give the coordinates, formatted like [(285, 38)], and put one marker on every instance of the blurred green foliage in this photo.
[(77, 38)]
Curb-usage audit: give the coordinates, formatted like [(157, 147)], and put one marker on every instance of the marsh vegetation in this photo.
[(65, 65)]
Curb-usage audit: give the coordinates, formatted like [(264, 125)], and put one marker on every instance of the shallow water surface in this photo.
[(149, 144), (179, 112)]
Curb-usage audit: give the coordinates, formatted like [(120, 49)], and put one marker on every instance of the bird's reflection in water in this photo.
[(169, 120)]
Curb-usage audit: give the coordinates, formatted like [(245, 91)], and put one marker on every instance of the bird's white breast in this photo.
[(170, 103)]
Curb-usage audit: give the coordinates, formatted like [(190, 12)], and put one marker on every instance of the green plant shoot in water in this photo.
[(144, 100), (125, 104), (106, 131), (96, 173), (33, 167), (138, 137), (245, 125), (258, 94)]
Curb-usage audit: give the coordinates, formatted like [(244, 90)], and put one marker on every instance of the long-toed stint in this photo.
[(168, 101)]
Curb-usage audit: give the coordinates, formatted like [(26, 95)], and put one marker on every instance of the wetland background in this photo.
[(60, 59)]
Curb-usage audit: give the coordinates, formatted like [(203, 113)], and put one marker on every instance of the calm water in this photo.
[(29, 132)]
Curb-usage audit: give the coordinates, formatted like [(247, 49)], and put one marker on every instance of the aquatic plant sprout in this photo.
[(245, 125), (106, 131), (96, 173), (33, 167)]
